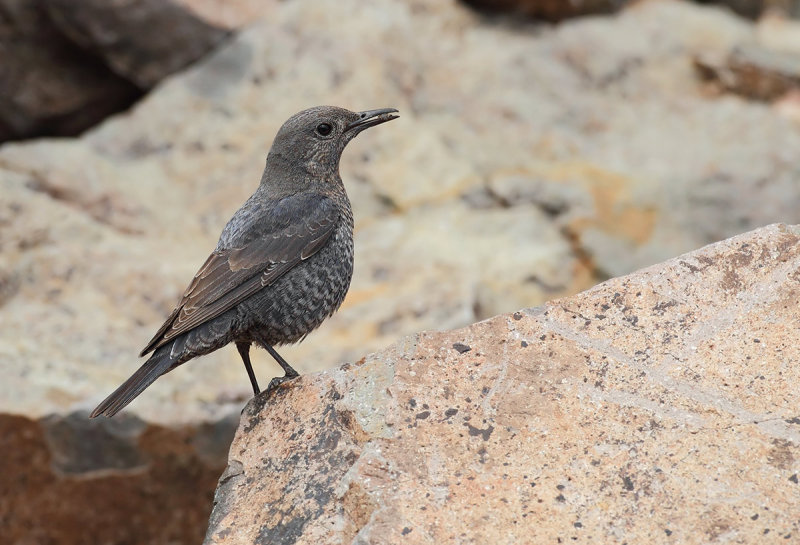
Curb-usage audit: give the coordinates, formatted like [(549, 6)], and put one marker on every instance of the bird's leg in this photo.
[(244, 351), (287, 369)]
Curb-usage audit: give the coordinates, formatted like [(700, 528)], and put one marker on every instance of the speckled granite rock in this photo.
[(659, 407)]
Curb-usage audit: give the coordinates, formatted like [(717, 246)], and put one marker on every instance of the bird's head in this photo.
[(313, 140)]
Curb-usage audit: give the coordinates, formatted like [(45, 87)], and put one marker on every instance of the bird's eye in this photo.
[(324, 129)]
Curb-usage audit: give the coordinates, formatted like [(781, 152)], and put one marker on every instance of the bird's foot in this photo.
[(277, 381)]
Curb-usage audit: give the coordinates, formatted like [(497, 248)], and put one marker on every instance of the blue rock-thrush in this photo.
[(283, 263)]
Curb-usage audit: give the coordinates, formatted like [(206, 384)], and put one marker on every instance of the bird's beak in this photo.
[(370, 118)]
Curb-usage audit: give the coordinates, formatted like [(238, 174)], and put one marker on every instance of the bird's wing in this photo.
[(279, 238)]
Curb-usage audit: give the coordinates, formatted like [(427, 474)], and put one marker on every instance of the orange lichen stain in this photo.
[(582, 278), (616, 213), (616, 210)]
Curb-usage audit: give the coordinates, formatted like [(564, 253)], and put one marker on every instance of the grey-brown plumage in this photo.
[(283, 262)]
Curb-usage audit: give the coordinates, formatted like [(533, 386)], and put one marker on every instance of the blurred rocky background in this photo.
[(532, 160)]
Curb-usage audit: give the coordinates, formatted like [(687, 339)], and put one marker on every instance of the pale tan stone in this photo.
[(230, 13), (659, 407)]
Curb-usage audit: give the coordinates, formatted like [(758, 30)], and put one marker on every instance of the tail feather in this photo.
[(158, 364)]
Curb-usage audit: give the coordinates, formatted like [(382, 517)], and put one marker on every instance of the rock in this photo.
[(779, 33), (66, 477), (550, 10), (68, 65), (659, 406), (47, 84), (142, 40), (762, 66), (757, 8), (230, 14), (753, 72), (116, 476), (554, 10)]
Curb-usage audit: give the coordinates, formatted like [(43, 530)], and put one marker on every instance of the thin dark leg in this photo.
[(290, 373), (287, 369), (244, 351)]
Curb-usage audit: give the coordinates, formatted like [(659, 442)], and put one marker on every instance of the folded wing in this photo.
[(275, 241)]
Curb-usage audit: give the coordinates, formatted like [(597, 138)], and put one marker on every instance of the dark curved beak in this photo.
[(370, 118)]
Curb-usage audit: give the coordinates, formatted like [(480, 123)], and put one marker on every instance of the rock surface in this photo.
[(141, 40), (764, 67), (557, 10), (753, 72), (549, 10), (70, 480), (230, 14), (46, 84), (756, 8), (659, 407), (68, 65)]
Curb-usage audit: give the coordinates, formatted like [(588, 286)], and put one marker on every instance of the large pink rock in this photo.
[(662, 406)]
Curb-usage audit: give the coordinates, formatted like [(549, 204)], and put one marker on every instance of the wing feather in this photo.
[(294, 230)]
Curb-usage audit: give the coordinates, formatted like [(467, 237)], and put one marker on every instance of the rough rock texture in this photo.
[(47, 85), (659, 407), (67, 65), (68, 480), (143, 40)]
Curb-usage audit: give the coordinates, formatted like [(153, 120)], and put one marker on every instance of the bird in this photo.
[(283, 263)]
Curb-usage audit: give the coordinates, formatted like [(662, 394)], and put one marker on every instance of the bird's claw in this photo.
[(277, 381)]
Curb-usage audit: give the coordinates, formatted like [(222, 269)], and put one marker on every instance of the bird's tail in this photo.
[(158, 364)]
